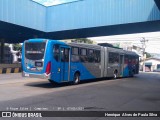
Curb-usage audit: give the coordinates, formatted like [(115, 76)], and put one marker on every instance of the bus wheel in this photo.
[(115, 74), (76, 78)]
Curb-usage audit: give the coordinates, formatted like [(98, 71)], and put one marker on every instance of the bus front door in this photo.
[(65, 63)]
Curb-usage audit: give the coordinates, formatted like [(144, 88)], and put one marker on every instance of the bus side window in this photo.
[(116, 56), (133, 60), (64, 54), (97, 56), (126, 59), (56, 52), (113, 57), (129, 59), (137, 61), (75, 50), (83, 55), (75, 54), (90, 55)]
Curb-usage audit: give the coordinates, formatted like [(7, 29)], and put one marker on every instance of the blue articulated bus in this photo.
[(73, 62)]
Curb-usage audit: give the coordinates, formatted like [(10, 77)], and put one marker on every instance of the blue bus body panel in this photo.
[(74, 67), (22, 62), (125, 71), (84, 73)]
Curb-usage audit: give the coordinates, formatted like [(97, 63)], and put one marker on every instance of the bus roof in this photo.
[(44, 40), (85, 45)]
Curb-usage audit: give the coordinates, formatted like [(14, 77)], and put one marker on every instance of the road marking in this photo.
[(8, 70), (16, 70)]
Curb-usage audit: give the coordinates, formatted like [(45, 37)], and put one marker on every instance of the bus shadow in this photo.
[(95, 80), (104, 79), (47, 84)]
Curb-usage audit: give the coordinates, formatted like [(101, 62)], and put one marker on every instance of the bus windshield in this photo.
[(34, 51)]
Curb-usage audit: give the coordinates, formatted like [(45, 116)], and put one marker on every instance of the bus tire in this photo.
[(115, 74), (76, 78)]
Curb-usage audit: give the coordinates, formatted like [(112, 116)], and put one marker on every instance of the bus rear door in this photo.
[(65, 63), (121, 65)]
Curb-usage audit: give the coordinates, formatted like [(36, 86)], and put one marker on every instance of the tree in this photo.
[(17, 47), (148, 55), (82, 40)]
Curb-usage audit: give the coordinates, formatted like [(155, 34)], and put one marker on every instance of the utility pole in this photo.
[(143, 41)]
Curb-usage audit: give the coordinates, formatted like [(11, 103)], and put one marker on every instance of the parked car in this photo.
[(147, 69)]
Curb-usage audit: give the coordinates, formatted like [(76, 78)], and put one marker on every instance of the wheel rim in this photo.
[(115, 75), (76, 81)]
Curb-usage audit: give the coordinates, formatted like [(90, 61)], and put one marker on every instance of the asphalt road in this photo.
[(140, 93)]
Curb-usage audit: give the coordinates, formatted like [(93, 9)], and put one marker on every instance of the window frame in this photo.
[(99, 56), (81, 51), (112, 58), (58, 53)]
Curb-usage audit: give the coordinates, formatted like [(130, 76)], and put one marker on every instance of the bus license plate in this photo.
[(26, 74), (38, 64)]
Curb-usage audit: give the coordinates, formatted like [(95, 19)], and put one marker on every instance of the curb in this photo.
[(10, 70)]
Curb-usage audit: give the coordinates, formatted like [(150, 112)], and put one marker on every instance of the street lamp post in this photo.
[(143, 41)]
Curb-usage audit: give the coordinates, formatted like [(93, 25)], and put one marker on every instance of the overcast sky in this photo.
[(152, 46)]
